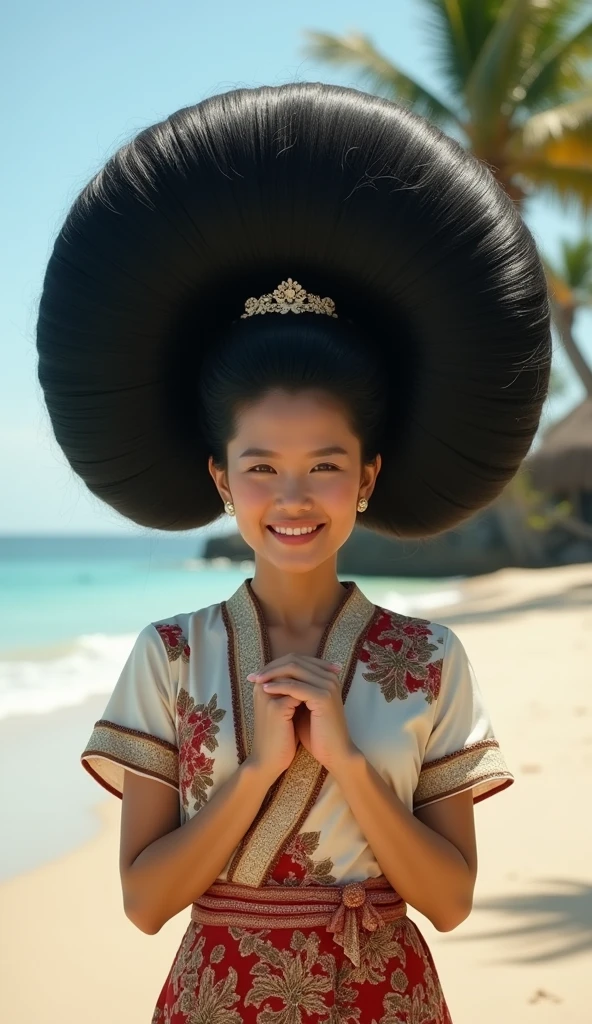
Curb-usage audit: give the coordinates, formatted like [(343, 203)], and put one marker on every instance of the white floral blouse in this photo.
[(181, 712)]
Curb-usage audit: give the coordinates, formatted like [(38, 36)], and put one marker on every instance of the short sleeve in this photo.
[(137, 730), (462, 751)]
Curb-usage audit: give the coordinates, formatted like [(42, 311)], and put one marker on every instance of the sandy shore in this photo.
[(68, 953)]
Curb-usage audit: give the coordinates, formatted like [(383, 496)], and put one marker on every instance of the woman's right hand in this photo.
[(274, 737)]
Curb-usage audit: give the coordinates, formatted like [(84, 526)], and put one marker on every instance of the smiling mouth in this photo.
[(295, 534)]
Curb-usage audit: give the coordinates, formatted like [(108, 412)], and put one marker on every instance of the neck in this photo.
[(300, 600)]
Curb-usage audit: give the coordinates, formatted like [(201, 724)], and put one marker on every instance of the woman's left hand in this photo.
[(319, 721)]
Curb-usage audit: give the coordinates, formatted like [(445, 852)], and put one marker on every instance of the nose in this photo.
[(293, 498)]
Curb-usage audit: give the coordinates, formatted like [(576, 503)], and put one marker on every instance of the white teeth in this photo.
[(296, 531)]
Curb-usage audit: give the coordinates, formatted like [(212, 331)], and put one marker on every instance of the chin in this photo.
[(293, 561)]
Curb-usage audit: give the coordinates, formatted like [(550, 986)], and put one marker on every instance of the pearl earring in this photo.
[(362, 504), (229, 508)]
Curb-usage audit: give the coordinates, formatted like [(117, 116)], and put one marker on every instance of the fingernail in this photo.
[(252, 677), (336, 664)]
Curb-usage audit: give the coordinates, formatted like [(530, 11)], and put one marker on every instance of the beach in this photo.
[(69, 954)]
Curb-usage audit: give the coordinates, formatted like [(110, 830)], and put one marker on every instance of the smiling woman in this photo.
[(297, 765), (295, 499)]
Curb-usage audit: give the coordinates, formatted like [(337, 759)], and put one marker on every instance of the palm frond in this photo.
[(556, 71), (453, 47), (494, 73), (569, 185), (563, 135), (358, 51), (556, 18), (577, 260)]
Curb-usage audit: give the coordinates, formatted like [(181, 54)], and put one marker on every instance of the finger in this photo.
[(313, 675), (295, 669), (277, 696), (304, 659), (294, 688)]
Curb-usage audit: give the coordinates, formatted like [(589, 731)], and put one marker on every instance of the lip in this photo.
[(302, 538)]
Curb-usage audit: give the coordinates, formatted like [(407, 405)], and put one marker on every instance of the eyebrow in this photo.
[(333, 449)]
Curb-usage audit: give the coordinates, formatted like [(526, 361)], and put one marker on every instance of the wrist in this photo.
[(258, 773), (350, 761)]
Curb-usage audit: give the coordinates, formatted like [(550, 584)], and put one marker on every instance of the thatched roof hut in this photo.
[(563, 462)]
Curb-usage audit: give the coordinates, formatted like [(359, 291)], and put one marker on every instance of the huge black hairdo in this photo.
[(441, 349)]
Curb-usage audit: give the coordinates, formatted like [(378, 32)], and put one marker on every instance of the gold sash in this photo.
[(293, 795)]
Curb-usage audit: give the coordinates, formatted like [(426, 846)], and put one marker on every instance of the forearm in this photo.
[(427, 871), (178, 867)]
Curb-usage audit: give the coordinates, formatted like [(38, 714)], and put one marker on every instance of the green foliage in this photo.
[(539, 511)]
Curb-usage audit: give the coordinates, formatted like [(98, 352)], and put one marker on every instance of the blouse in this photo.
[(182, 713)]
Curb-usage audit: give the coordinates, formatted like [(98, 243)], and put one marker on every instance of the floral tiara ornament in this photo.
[(289, 297)]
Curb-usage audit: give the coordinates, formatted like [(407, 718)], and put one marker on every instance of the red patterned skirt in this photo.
[(309, 954)]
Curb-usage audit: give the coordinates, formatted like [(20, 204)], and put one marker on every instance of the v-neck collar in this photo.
[(349, 589)]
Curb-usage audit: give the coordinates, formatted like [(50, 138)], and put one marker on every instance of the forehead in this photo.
[(298, 420)]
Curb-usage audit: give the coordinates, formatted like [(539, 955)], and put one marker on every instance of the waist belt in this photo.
[(342, 910)]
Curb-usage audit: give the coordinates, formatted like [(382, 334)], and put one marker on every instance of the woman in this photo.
[(296, 765)]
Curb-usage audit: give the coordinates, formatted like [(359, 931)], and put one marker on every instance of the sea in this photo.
[(72, 606)]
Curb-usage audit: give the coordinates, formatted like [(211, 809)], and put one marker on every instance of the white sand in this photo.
[(69, 955)]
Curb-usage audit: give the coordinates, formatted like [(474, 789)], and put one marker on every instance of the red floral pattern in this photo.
[(234, 975), (297, 867), (196, 728), (175, 643), (399, 657)]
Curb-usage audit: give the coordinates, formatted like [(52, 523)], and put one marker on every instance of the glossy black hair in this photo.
[(441, 349)]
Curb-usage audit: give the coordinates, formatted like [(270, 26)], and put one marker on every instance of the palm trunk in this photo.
[(563, 317)]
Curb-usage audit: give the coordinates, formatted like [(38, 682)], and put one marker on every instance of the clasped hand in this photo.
[(319, 716)]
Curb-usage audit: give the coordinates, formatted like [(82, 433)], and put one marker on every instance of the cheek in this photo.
[(338, 492), (252, 495)]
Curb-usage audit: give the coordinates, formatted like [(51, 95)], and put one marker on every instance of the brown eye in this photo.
[(325, 465), (262, 467)]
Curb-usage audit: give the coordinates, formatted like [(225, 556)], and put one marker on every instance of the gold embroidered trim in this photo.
[(298, 786), (342, 910), (247, 654), (112, 748), (227, 918), (479, 766)]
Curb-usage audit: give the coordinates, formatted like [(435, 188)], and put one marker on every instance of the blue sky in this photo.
[(79, 80)]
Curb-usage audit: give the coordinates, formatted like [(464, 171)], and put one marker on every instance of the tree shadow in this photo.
[(560, 919)]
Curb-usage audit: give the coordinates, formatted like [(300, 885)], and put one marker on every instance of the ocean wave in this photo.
[(58, 677)]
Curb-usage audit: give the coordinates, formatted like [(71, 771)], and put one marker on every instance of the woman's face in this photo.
[(295, 464)]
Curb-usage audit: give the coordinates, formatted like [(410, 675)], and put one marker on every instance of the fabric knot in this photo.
[(353, 909), (353, 895)]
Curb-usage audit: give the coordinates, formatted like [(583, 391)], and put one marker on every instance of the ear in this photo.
[(220, 478), (370, 471)]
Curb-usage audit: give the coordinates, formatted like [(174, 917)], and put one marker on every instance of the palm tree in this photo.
[(520, 93), (570, 287)]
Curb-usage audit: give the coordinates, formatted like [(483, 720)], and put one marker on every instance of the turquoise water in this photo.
[(70, 608)]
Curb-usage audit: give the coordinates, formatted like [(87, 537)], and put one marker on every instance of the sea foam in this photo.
[(62, 676)]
